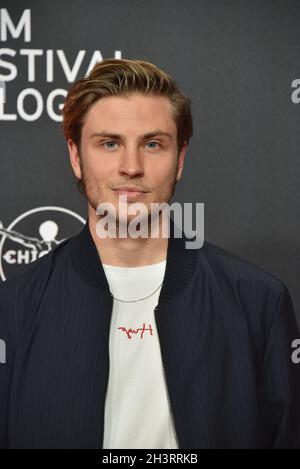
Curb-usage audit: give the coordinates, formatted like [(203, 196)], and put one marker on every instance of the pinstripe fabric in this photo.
[(225, 329)]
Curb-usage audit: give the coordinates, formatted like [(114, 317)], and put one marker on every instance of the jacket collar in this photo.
[(180, 265)]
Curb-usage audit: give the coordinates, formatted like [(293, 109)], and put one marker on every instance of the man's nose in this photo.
[(131, 163)]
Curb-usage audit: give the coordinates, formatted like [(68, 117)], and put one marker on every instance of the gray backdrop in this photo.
[(239, 61)]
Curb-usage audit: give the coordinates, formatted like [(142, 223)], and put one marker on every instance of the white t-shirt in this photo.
[(137, 413)]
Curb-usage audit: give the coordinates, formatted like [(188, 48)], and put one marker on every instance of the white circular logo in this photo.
[(33, 234)]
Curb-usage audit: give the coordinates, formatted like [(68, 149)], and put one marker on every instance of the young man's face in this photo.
[(125, 156)]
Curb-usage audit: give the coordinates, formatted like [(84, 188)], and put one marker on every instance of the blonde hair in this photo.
[(112, 77)]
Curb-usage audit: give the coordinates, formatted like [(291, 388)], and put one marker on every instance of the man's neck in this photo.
[(128, 252)]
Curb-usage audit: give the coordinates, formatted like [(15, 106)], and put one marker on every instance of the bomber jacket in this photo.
[(225, 329)]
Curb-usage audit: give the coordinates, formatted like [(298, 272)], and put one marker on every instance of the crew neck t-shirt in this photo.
[(137, 410)]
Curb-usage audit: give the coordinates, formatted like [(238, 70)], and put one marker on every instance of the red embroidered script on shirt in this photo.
[(135, 331)]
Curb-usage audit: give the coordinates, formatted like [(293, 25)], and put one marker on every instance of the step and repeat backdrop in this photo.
[(238, 61)]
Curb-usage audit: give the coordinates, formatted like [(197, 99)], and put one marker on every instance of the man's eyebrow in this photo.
[(155, 133)]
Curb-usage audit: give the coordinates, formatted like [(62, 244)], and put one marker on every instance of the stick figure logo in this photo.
[(34, 234)]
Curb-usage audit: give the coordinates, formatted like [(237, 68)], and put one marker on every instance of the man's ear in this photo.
[(180, 162), (74, 158)]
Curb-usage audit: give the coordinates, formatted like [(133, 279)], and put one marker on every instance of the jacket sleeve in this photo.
[(280, 379), (19, 300), (6, 361)]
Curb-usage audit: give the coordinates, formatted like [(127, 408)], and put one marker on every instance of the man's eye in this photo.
[(155, 143), (110, 142)]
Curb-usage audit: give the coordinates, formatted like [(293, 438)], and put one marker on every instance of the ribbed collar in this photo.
[(180, 266)]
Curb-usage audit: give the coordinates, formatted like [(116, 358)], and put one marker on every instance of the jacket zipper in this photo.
[(166, 389), (107, 380)]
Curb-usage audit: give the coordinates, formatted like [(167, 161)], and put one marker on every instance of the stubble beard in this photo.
[(94, 196)]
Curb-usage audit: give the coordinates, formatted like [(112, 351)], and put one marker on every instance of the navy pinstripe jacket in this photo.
[(225, 330)]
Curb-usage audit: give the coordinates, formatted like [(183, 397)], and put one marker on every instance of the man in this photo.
[(138, 342)]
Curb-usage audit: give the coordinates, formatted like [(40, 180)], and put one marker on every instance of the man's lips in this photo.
[(129, 189), (131, 192)]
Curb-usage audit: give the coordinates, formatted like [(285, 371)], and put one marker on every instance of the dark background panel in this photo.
[(235, 59)]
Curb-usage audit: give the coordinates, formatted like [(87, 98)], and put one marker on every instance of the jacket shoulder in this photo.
[(253, 295), (35, 269), (20, 294), (236, 269)]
